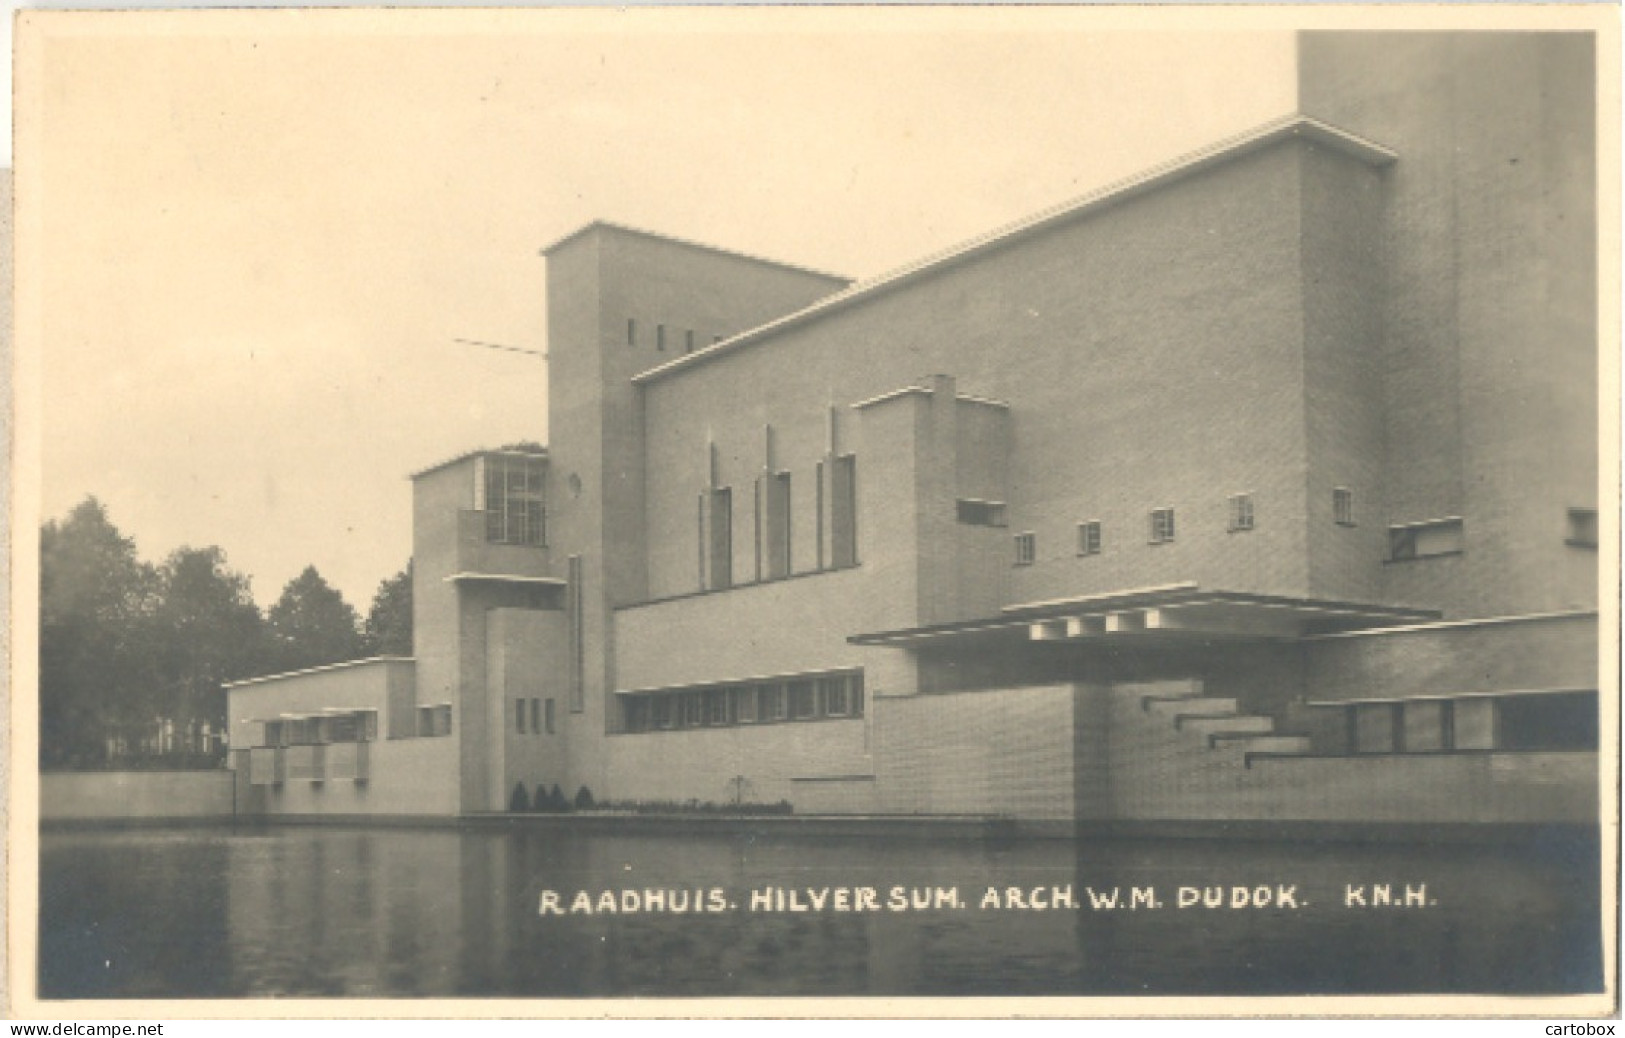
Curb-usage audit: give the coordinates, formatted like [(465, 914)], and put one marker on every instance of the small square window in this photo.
[(1162, 525), (1089, 537), (1026, 548), (1343, 506), (1582, 528), (1241, 512)]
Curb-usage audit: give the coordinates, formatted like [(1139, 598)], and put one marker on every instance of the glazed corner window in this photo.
[(1425, 540), (1241, 512), (976, 512), (1089, 537), (1582, 528), (434, 720), (1026, 548), (511, 497), (1343, 506), (1162, 525)]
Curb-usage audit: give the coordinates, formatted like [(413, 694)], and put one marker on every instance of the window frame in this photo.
[(1026, 548), (1089, 537), (1163, 526), (1343, 506), (1241, 512)]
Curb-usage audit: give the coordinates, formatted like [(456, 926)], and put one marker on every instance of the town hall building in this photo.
[(1262, 485)]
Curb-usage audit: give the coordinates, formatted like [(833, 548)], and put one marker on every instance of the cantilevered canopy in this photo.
[(1170, 612)]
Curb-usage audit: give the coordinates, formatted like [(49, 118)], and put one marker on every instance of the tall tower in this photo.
[(620, 302), (1488, 346)]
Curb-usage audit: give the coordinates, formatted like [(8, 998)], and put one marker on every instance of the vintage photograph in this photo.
[(815, 504)]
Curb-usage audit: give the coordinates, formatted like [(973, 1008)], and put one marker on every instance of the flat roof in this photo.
[(1285, 128), (509, 452), (609, 225), (316, 670)]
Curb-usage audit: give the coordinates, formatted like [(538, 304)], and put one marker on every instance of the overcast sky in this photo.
[(262, 231)]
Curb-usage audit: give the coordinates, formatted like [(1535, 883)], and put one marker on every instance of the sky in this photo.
[(259, 234)]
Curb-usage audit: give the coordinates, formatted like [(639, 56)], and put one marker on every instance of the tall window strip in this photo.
[(777, 507), (1089, 537), (758, 528), (844, 511), (631, 332), (818, 492), (549, 716), (578, 642), (660, 337), (1343, 506), (688, 341), (519, 716), (1162, 525), (1241, 512), (721, 538)]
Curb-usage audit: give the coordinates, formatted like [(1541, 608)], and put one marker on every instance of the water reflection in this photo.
[(398, 912)]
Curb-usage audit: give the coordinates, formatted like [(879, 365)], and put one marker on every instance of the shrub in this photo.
[(519, 801)]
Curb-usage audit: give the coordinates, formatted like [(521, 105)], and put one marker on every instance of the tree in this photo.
[(96, 664), (388, 630), (312, 624), (209, 631)]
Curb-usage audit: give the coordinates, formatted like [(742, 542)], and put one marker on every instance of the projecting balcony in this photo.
[(487, 549)]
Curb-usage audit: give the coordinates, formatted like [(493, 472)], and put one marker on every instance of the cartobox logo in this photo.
[(1579, 1028)]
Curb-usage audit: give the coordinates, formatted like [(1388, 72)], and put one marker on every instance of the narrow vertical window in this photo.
[(721, 540), (660, 337), (578, 640), (535, 716), (1026, 548), (1162, 525), (519, 716), (844, 511), (631, 332), (549, 716), (777, 507), (1241, 512), (688, 341), (1089, 537), (1343, 506), (818, 506)]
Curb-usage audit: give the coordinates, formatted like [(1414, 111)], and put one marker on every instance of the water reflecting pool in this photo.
[(372, 912)]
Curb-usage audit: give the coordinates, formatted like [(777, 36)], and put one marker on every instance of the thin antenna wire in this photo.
[(499, 346)]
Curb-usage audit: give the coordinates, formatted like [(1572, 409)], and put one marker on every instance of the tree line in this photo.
[(134, 655)]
